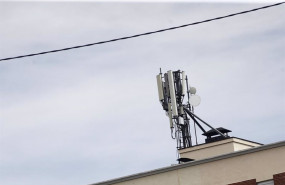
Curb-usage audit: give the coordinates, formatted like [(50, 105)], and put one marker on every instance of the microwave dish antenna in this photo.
[(192, 90), (195, 100)]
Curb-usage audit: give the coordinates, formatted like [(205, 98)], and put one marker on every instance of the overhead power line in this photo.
[(143, 34)]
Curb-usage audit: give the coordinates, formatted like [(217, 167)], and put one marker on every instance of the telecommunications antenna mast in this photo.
[(178, 99)]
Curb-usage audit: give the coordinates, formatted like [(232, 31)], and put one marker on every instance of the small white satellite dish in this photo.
[(195, 100), (192, 90)]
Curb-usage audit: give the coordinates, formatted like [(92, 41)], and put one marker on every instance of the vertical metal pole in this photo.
[(188, 95), (195, 133)]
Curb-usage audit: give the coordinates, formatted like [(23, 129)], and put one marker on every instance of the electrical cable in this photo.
[(143, 34), (172, 133)]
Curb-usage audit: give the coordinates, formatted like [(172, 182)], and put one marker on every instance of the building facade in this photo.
[(232, 161)]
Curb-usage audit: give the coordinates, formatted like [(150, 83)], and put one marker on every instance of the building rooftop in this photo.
[(193, 163)]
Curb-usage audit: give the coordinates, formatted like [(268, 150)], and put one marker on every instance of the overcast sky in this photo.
[(91, 114)]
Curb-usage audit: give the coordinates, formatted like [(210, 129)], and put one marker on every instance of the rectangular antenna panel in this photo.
[(181, 120), (160, 87), (183, 83), (181, 110), (172, 93), (166, 85)]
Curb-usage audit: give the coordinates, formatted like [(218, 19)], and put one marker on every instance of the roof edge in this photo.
[(247, 140), (232, 137), (194, 163)]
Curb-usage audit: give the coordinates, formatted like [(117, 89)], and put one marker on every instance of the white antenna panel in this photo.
[(159, 86), (181, 120), (172, 93)]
